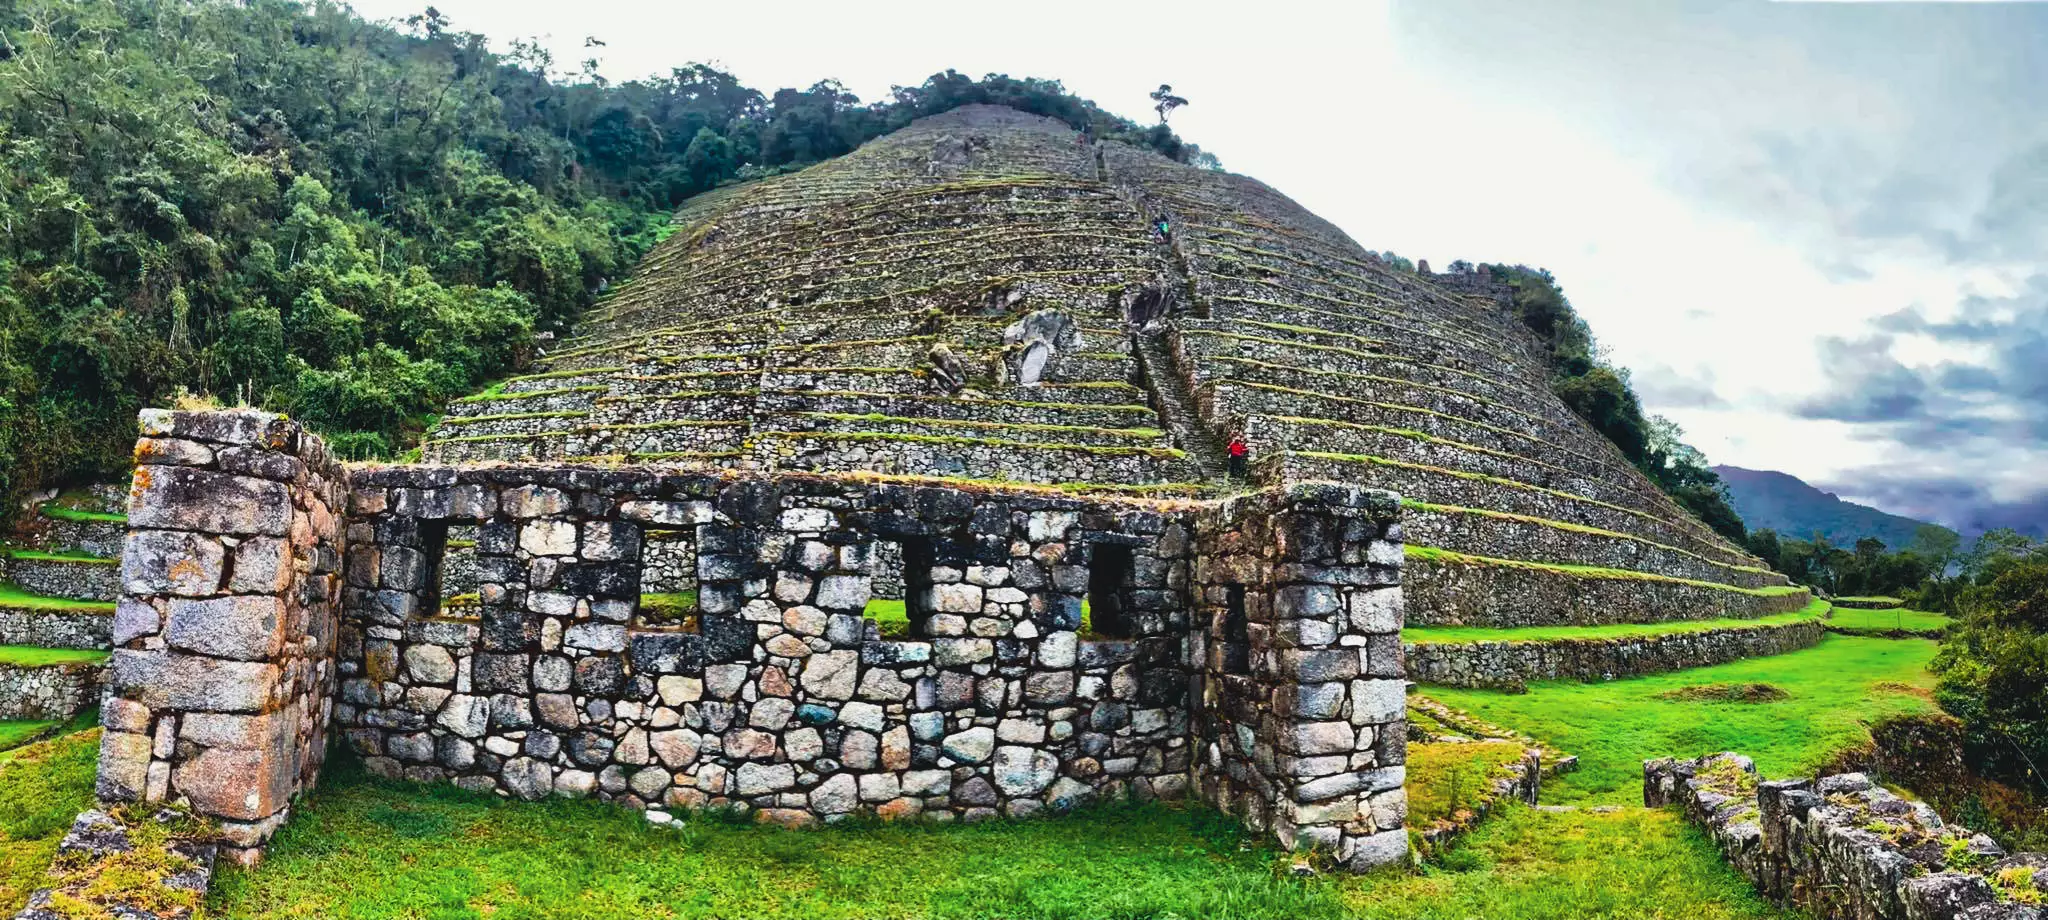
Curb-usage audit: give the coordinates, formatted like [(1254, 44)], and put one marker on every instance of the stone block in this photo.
[(235, 783), (831, 676), (184, 498), (245, 628), (171, 562)]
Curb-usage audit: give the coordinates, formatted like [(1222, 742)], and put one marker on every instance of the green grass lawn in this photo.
[(367, 848), (1872, 599), (39, 555), (12, 595), (1459, 634), (1445, 778), (62, 513), (1885, 620), (13, 732), (894, 621), (42, 787), (34, 657), (1835, 689)]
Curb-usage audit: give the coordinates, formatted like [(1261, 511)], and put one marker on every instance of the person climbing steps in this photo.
[(1240, 455)]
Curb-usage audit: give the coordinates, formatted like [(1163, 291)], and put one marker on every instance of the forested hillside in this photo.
[(1784, 503), (352, 223)]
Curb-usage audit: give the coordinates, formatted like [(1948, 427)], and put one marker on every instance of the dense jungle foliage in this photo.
[(1994, 663), (1601, 394), (282, 203)]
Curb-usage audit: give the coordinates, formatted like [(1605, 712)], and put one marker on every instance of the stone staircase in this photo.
[(1176, 404), (60, 574)]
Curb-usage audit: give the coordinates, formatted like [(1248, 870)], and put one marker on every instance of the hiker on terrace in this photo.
[(1161, 227), (1239, 455)]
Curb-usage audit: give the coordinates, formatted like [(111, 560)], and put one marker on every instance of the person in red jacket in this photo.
[(1239, 455)]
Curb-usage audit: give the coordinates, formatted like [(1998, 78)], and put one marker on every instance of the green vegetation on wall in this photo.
[(282, 203)]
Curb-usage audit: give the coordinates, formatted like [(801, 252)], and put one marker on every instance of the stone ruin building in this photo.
[(895, 485)]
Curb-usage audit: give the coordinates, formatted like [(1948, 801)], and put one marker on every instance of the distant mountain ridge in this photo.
[(1786, 504)]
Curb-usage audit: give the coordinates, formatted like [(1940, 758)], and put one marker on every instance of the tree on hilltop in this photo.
[(1164, 101)]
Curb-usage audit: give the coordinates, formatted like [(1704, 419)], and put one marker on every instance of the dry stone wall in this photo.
[(1844, 848), (223, 644), (51, 692), (1509, 664), (80, 578), (781, 697), (1447, 590), (1303, 718), (85, 629)]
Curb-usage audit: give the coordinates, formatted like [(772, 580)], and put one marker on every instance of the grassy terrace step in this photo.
[(29, 656), (57, 512), (1019, 428), (1598, 465), (1578, 528), (1167, 453), (1493, 383), (928, 405), (1642, 495), (802, 282), (1689, 528), (1432, 554), (1887, 621), (1331, 409), (1390, 335), (1239, 368), (1271, 291), (36, 555), (13, 597), (1461, 635)]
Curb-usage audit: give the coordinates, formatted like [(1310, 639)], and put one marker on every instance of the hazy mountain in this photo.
[(1784, 503)]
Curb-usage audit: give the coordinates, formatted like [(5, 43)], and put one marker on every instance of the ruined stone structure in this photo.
[(1058, 650), (223, 669), (1844, 848), (978, 296)]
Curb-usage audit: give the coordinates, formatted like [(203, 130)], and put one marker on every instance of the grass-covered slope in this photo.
[(364, 848), (1832, 692), (42, 787)]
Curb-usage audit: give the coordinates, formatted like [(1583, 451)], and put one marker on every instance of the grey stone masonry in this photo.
[(1510, 664), (1844, 848), (781, 697), (222, 674), (51, 692), (1059, 649), (1302, 721)]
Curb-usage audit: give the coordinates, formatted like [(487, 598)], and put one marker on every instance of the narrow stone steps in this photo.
[(1177, 409)]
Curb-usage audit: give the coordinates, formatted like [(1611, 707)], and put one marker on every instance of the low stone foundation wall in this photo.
[(51, 692), (1844, 848), (1511, 664), (91, 629), (1450, 592), (1868, 603), (93, 580)]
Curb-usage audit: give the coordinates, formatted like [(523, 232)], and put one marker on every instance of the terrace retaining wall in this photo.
[(91, 629), (51, 692), (1512, 664), (1448, 591)]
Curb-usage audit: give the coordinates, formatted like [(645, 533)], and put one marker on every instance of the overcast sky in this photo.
[(1812, 230)]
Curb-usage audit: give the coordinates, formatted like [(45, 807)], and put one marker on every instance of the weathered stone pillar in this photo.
[(1303, 717), (223, 662)]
